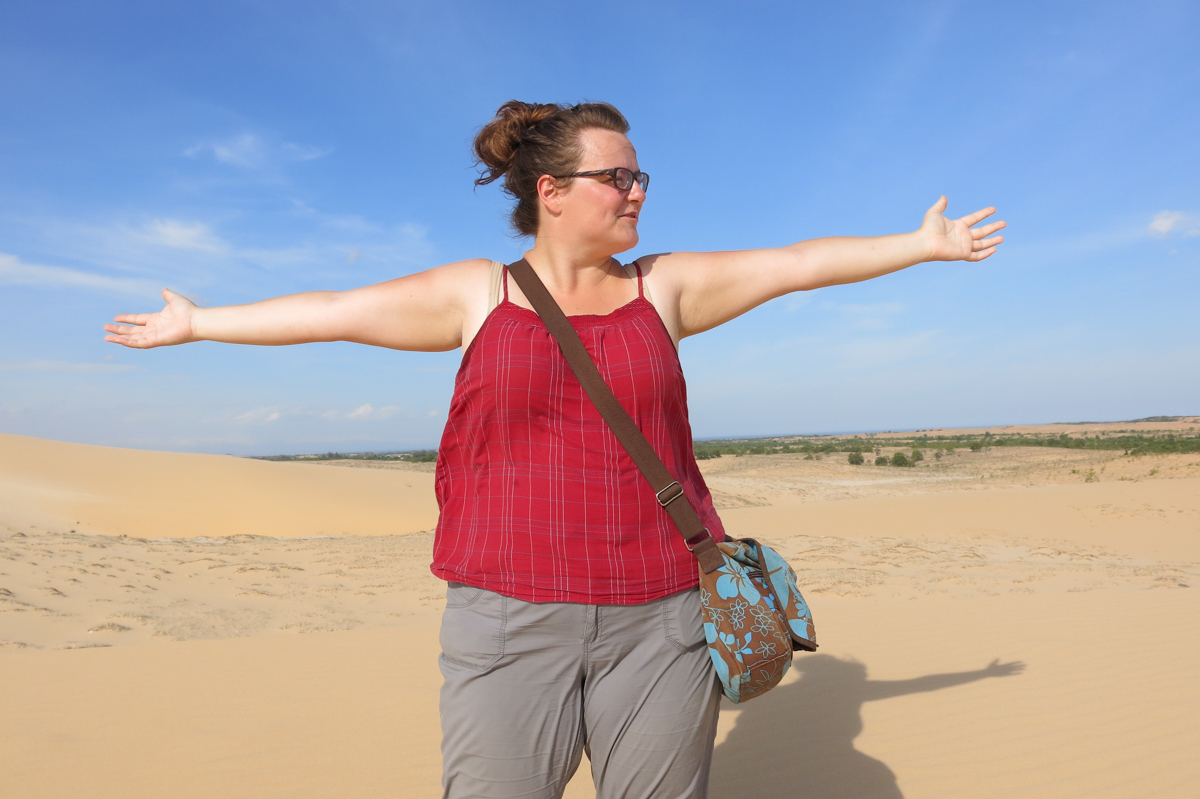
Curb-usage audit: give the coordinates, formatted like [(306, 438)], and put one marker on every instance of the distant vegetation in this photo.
[(1129, 442), (1126, 441), (412, 456)]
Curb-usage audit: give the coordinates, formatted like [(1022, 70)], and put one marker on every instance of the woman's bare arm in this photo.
[(704, 290), (422, 312)]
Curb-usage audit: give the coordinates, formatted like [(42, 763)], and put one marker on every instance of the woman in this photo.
[(572, 620)]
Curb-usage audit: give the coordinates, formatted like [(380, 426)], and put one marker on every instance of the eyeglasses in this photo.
[(622, 178)]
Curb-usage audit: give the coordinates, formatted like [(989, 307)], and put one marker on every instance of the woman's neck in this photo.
[(570, 270)]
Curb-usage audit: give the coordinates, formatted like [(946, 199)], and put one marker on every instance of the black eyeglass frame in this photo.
[(641, 178)]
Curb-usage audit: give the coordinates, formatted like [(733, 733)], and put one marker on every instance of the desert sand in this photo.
[(1017, 621)]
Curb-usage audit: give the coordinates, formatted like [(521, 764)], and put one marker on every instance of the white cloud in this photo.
[(874, 353), (1166, 222), (245, 150), (303, 152), (15, 272), (141, 256), (184, 236), (365, 412), (64, 366), (260, 415), (871, 316), (368, 412), (796, 300), (250, 151)]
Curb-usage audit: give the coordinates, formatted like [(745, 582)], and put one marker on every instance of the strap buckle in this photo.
[(687, 542), (673, 497)]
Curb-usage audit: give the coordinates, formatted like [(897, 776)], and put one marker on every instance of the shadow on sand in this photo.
[(798, 740)]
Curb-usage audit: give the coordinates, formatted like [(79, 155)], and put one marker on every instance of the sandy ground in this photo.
[(1009, 622)]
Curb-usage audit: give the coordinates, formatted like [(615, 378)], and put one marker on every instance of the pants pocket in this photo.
[(683, 620), (460, 595), (473, 623)]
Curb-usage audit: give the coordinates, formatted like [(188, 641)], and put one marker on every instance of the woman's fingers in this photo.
[(987, 230), (134, 318), (979, 256), (972, 219), (992, 242)]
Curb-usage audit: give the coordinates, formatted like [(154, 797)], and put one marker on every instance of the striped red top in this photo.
[(538, 499)]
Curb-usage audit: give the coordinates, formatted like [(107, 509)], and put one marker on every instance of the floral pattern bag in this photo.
[(754, 614), (754, 618)]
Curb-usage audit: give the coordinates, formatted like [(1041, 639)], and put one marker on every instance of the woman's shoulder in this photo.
[(465, 278), (470, 266), (459, 284)]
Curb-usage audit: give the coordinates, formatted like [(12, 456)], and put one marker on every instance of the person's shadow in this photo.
[(798, 740)]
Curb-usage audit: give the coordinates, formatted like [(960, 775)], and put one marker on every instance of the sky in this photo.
[(235, 151)]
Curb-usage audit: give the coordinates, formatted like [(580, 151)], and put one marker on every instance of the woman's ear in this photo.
[(550, 194)]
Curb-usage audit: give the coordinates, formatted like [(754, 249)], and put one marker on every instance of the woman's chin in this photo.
[(627, 242)]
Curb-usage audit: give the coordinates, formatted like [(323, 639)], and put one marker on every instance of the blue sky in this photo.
[(237, 151)]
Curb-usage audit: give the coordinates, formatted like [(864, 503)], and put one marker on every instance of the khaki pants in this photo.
[(529, 687)]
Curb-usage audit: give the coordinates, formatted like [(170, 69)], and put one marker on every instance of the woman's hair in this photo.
[(527, 140)]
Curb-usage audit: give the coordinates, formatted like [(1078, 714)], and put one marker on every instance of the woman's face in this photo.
[(593, 211)]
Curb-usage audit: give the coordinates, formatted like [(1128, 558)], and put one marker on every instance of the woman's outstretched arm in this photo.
[(709, 289), (423, 312)]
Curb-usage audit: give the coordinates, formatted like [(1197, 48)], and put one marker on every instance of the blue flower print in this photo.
[(733, 581), (737, 613)]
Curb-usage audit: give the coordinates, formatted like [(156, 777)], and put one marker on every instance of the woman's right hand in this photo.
[(171, 325)]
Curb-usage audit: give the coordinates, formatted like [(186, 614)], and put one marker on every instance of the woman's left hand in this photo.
[(955, 239)]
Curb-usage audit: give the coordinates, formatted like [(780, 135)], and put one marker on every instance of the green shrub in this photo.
[(976, 446), (900, 459), (882, 460), (918, 455), (856, 459)]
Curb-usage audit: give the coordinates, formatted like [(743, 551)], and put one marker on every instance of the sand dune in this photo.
[(995, 624), (52, 485)]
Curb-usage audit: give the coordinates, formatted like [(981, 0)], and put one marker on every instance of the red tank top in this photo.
[(538, 499)]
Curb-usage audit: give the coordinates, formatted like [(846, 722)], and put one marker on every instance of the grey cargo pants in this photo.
[(529, 687)]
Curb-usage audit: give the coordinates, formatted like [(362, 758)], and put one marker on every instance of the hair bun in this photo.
[(497, 143)]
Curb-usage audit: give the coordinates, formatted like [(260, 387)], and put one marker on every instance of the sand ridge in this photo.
[(53, 485)]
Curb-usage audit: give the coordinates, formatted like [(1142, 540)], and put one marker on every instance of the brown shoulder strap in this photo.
[(666, 488)]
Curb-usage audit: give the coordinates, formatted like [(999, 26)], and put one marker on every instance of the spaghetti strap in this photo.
[(497, 274), (504, 282), (635, 270)]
